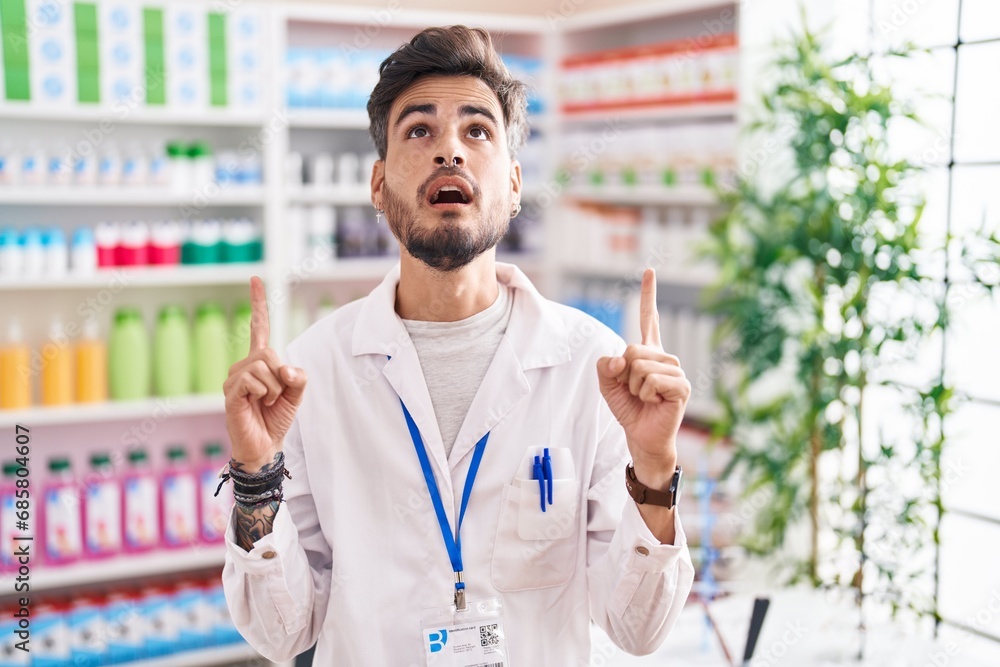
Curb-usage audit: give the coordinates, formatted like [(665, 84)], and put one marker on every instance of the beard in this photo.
[(444, 244)]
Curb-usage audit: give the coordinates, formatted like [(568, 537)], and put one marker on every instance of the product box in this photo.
[(185, 41), (51, 52), (120, 44), (244, 48)]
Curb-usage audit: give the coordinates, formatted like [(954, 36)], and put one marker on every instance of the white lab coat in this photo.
[(356, 552)]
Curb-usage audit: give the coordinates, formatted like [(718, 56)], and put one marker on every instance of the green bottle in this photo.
[(129, 363), (211, 349), (239, 337), (172, 353)]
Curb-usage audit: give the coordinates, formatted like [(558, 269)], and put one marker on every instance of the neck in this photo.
[(430, 295)]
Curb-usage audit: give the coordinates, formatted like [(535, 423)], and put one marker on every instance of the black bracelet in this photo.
[(252, 483), (256, 497), (258, 504), (257, 489)]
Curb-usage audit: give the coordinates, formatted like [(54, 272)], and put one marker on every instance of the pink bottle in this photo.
[(179, 508), (8, 519), (165, 242), (214, 510), (133, 250), (62, 535), (102, 509), (140, 505), (107, 236)]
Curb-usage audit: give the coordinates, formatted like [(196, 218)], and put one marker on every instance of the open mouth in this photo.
[(449, 192)]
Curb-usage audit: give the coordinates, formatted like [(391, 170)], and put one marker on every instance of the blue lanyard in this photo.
[(452, 543)]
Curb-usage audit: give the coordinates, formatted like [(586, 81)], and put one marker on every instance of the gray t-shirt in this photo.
[(455, 356)]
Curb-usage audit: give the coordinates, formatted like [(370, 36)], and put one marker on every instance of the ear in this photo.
[(515, 180), (378, 178)]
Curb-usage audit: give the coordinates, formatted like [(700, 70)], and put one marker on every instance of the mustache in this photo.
[(447, 172)]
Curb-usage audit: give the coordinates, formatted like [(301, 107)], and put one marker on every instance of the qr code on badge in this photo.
[(488, 635)]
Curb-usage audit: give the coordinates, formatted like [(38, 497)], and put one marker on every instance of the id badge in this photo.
[(471, 638)]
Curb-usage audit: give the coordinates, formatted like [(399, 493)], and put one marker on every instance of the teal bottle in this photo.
[(129, 358), (172, 353)]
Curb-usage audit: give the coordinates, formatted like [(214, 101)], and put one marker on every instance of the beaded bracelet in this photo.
[(253, 482)]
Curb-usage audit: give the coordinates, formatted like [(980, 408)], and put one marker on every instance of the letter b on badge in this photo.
[(437, 640)]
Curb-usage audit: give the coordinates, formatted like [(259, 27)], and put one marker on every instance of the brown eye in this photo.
[(412, 134), (479, 133)]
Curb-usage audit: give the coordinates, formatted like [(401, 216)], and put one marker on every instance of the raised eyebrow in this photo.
[(473, 110), (426, 108)]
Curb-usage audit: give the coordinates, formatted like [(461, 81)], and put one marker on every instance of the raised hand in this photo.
[(262, 395), (647, 392)]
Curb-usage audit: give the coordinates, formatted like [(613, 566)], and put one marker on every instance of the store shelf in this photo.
[(206, 657), (147, 276), (646, 195), (123, 196), (359, 268), (333, 195), (157, 408), (332, 119), (125, 568), (122, 113), (652, 114)]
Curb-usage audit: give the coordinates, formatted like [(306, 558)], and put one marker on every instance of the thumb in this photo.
[(295, 384), (608, 370)]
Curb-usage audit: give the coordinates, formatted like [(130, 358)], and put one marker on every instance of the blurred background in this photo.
[(815, 184)]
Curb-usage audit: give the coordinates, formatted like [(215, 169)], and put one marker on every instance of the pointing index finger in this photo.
[(260, 325), (649, 319)]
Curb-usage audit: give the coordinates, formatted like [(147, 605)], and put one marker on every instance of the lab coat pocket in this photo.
[(536, 549), (292, 615)]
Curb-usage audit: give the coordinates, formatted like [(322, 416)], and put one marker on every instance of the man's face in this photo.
[(448, 183)]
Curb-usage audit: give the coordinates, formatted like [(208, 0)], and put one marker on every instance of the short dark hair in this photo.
[(452, 51)]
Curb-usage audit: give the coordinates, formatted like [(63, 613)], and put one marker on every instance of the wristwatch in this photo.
[(644, 495)]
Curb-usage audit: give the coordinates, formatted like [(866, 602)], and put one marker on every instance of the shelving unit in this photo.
[(122, 568), (145, 276), (205, 657), (115, 411), (645, 195), (95, 196)]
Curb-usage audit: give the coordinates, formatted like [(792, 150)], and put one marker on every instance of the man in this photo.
[(458, 462)]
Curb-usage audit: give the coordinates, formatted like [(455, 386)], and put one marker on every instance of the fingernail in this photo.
[(291, 375)]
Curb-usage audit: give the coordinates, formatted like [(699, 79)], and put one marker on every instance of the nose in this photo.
[(449, 151)]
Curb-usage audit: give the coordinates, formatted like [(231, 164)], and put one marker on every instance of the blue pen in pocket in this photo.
[(547, 471), (539, 474)]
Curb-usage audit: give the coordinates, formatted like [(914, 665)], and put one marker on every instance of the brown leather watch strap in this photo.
[(644, 495)]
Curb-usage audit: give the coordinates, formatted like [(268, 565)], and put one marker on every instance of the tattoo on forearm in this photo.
[(250, 524), (267, 467)]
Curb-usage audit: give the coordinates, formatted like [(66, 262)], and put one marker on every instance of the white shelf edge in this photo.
[(47, 195), (159, 408), (132, 116), (320, 118), (633, 273), (126, 566), (151, 276), (205, 657), (417, 19), (676, 112), (356, 196), (645, 195), (606, 18), (360, 268)]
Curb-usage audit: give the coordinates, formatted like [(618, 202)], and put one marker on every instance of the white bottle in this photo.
[(109, 169), (85, 170), (33, 253), (251, 170), (33, 166), (321, 173), (322, 223), (181, 171), (10, 164), (293, 170), (83, 256), (135, 167), (56, 252), (159, 166), (59, 168), (11, 254), (348, 166), (296, 225)]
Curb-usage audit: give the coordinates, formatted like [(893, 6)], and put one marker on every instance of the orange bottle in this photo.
[(57, 367), (15, 370), (91, 366)]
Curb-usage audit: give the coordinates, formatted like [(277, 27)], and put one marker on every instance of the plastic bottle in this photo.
[(140, 504), (57, 368), (91, 366), (33, 253), (83, 255), (33, 166), (159, 166), (215, 510), (126, 631), (15, 375), (240, 241), (59, 168), (181, 175), (162, 620), (88, 630), (108, 235), (135, 167), (102, 509), (129, 356), (165, 243), (211, 349), (239, 336), (134, 247), (195, 613), (10, 164), (205, 243), (8, 515), (109, 167), (85, 170), (202, 164), (62, 534), (11, 256), (56, 253), (180, 500), (52, 643), (172, 353)]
